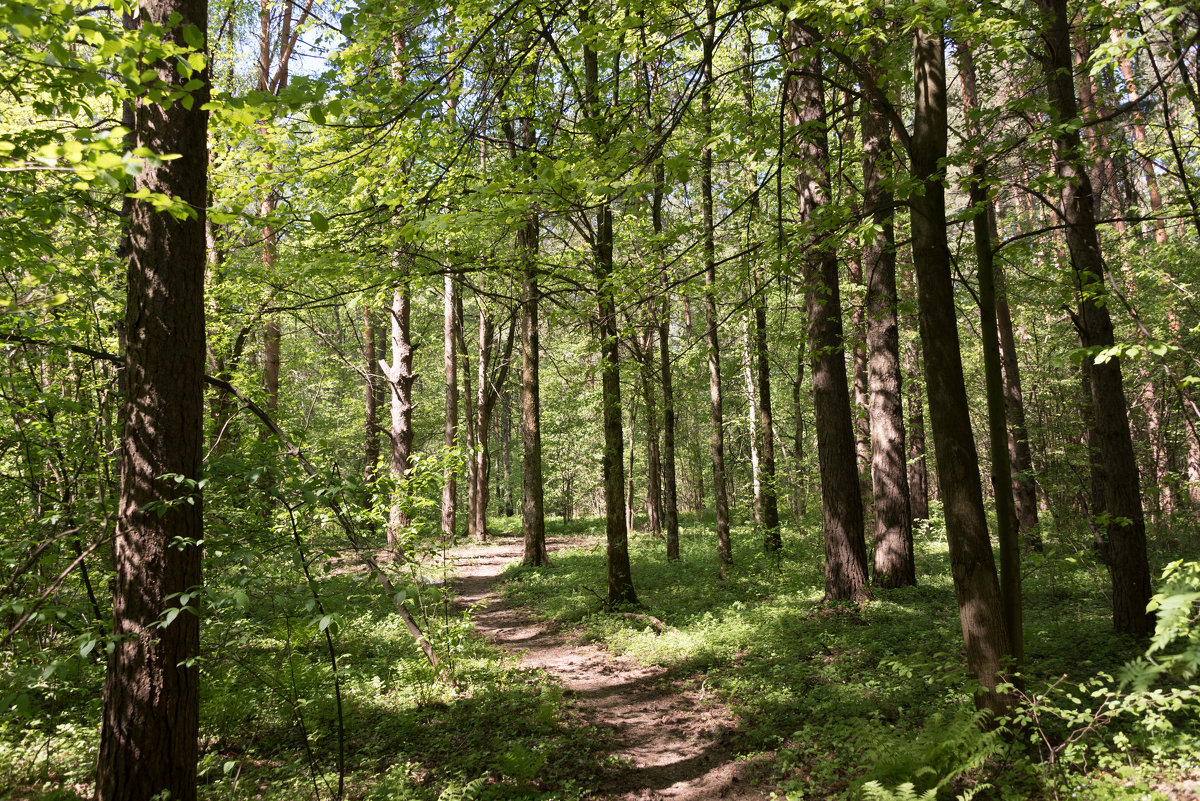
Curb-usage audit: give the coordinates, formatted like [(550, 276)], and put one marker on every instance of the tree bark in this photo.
[(450, 441), (841, 502), (1126, 529), (620, 577), (918, 476), (150, 723), (894, 562), (670, 489), (400, 377), (720, 493), (971, 562), (654, 505)]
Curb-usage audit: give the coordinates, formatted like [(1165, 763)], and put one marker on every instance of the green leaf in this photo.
[(318, 221)]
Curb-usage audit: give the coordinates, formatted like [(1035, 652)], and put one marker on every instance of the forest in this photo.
[(601, 399)]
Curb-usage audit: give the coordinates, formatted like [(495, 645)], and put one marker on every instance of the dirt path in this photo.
[(671, 742)]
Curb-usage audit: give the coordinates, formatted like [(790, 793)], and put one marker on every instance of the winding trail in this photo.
[(672, 742)]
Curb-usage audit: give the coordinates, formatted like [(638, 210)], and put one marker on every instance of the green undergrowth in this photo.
[(482, 728), (873, 701)]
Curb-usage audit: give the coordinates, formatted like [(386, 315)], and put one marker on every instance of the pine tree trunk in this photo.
[(149, 737), (841, 502)]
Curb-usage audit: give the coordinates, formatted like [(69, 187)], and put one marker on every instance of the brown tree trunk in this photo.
[(149, 735), (841, 502), (669, 487), (620, 577), (971, 562), (1007, 534), (894, 562), (772, 539), (1126, 531)]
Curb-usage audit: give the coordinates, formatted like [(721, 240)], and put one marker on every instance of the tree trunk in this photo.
[(1126, 530), (670, 490), (720, 494), (862, 404), (752, 421), (772, 540), (971, 562), (1007, 533), (370, 398), (506, 454), (918, 476), (150, 722), (477, 489), (620, 578), (894, 562), (800, 491), (400, 379), (450, 441), (654, 506), (1138, 124), (841, 501)]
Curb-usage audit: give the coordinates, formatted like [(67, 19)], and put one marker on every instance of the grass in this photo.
[(831, 696)]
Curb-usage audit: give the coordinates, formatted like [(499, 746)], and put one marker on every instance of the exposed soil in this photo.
[(671, 740)]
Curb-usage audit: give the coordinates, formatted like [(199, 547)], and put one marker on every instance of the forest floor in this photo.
[(669, 738)]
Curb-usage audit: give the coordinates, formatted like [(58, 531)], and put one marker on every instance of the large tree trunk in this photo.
[(894, 562), (971, 562), (1001, 468), (720, 493), (1126, 529), (841, 501), (150, 723)]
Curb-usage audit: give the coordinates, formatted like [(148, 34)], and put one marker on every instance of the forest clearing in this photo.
[(613, 399)]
